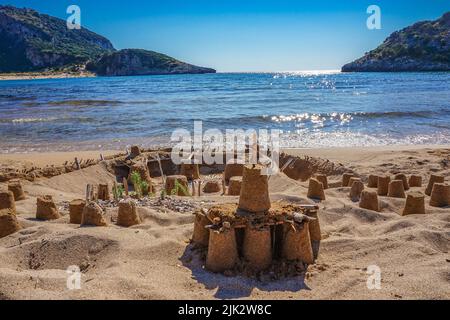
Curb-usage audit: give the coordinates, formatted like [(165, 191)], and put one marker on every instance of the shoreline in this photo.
[(45, 75), (343, 154)]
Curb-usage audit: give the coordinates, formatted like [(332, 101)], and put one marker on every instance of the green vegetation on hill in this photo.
[(141, 62), (31, 41), (424, 46)]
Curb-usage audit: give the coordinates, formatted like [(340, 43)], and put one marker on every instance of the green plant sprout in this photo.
[(178, 187), (118, 191)]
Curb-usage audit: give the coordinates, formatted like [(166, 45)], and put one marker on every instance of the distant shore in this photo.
[(45, 75)]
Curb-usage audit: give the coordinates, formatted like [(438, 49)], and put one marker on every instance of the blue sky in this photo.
[(246, 35)]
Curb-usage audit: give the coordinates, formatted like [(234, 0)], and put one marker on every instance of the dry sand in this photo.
[(153, 260)]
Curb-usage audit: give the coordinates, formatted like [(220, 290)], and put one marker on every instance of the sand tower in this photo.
[(396, 189), (103, 192), (177, 185), (234, 186), (46, 208), (373, 181), (76, 208), (16, 188), (383, 185), (369, 201), (322, 178), (355, 191), (7, 201), (127, 215), (415, 181), (433, 179), (212, 186), (8, 223), (415, 204), (254, 195), (93, 215), (404, 179), (316, 190), (346, 179), (233, 169), (440, 195)]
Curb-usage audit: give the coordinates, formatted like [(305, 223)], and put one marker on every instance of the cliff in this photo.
[(30, 41), (141, 62), (424, 46)]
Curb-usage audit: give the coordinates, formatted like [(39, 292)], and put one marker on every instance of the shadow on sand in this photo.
[(237, 286)]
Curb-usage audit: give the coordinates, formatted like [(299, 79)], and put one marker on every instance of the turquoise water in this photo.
[(313, 109)]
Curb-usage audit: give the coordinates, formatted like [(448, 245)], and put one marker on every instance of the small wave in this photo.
[(28, 120), (87, 103)]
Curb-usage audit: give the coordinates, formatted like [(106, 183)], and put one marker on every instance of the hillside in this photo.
[(34, 42), (141, 62), (424, 46), (30, 41)]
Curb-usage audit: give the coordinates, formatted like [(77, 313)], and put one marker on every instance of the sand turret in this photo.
[(396, 189), (369, 200), (433, 179), (415, 204), (16, 188), (254, 190), (46, 208), (316, 190), (383, 185), (440, 195), (76, 208)]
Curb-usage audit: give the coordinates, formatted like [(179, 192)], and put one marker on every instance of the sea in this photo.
[(312, 109)]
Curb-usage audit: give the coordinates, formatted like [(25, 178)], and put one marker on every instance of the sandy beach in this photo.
[(154, 260)]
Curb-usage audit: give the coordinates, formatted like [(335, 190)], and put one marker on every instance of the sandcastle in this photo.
[(93, 215), (316, 190), (177, 185), (46, 208), (415, 204), (355, 191), (128, 215), (404, 179), (383, 185), (369, 201), (415, 181), (16, 188), (233, 169), (256, 233), (212, 186), (190, 170), (7, 201), (322, 178), (346, 179), (103, 192), (396, 189), (440, 195), (76, 208), (234, 186), (433, 179), (8, 223), (373, 181)]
